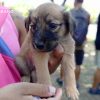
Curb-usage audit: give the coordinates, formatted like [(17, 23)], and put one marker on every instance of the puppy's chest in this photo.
[(63, 41)]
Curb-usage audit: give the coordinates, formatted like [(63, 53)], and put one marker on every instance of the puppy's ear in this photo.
[(28, 20), (69, 22)]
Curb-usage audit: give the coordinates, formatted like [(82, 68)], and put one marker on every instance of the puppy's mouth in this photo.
[(46, 47)]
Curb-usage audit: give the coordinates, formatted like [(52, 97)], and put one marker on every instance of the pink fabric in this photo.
[(2, 18), (8, 32), (8, 71)]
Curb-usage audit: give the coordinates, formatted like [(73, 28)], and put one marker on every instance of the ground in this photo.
[(88, 70)]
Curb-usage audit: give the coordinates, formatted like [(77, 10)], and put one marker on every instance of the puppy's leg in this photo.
[(33, 76), (68, 65), (41, 64), (20, 59), (23, 69)]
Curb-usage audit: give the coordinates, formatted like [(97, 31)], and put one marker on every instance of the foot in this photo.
[(77, 85), (59, 81), (95, 91)]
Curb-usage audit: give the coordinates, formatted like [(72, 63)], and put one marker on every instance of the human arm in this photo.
[(20, 25), (27, 91)]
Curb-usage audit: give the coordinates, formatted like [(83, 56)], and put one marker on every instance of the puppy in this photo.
[(48, 26)]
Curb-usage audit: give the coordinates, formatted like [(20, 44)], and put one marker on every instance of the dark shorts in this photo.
[(79, 56)]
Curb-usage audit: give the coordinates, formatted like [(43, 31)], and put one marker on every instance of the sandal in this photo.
[(59, 81), (94, 91)]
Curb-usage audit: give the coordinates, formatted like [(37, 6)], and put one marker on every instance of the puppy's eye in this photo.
[(33, 26), (52, 26)]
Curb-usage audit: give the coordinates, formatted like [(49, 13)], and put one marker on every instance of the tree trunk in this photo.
[(52, 0), (63, 3)]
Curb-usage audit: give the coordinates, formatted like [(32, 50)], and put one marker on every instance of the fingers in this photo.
[(36, 98), (36, 89), (31, 98), (28, 98), (56, 97)]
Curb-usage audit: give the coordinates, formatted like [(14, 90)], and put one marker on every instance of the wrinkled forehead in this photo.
[(49, 10)]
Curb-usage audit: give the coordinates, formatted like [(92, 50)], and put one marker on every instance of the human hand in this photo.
[(56, 97), (27, 91)]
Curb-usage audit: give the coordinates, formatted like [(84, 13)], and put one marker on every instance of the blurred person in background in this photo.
[(1, 3), (82, 19), (95, 89)]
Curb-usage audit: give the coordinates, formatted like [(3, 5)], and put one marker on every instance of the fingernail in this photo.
[(29, 27), (52, 90)]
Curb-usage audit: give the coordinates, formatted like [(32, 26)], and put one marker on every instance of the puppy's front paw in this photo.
[(72, 93)]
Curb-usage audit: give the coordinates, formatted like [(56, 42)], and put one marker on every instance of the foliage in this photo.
[(24, 8)]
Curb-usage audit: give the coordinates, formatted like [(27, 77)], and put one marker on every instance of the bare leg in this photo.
[(96, 79), (77, 72)]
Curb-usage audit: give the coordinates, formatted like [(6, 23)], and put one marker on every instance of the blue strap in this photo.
[(4, 49)]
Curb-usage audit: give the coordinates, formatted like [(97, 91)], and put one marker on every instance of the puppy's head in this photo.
[(49, 23)]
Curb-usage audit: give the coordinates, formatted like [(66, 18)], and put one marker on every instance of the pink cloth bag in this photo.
[(9, 46), (8, 71)]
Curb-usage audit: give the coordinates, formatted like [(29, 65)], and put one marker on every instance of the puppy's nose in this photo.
[(39, 45)]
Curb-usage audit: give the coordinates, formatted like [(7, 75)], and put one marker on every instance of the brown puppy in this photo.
[(49, 27)]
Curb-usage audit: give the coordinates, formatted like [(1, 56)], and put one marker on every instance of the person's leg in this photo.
[(95, 89), (77, 72), (79, 55), (96, 79)]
